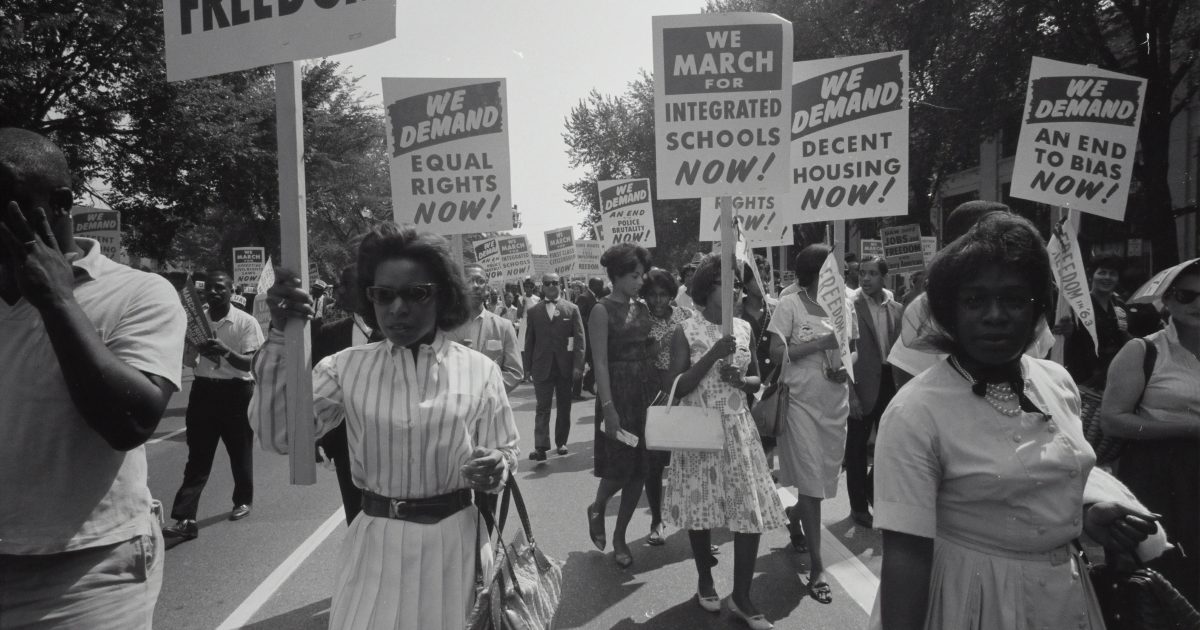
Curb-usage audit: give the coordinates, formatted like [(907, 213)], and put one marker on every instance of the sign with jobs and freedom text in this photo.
[(248, 265), (448, 152), (849, 138), (722, 104), (761, 220), (1078, 137), (560, 246), (902, 248), (207, 37), (102, 225), (626, 212)]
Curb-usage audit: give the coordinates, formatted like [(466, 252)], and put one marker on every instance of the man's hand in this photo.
[(34, 259), (287, 300), (214, 347)]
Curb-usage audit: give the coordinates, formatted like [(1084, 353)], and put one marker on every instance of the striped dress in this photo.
[(411, 424)]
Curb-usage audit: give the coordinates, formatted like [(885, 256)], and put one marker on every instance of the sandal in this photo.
[(596, 528), (655, 539), (820, 592), (796, 533)]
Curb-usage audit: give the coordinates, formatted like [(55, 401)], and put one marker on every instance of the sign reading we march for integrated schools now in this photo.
[(1078, 137), (722, 104), (626, 212), (248, 265), (516, 259), (448, 142), (207, 37)]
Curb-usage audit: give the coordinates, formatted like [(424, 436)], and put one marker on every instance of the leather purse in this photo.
[(684, 428), (521, 590), (1141, 599), (770, 411)]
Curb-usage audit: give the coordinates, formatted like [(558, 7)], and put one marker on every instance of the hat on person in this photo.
[(320, 284)]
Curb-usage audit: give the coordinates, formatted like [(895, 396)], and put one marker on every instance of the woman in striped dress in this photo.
[(427, 421)]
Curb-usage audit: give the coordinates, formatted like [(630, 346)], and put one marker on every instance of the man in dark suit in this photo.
[(554, 348), (878, 327), (586, 301)]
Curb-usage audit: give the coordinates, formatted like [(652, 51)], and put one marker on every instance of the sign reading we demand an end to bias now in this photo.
[(721, 104), (1078, 137), (448, 142), (626, 212)]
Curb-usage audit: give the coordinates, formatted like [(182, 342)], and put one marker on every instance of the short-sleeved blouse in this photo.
[(661, 331)]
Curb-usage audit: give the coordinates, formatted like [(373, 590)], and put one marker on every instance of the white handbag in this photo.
[(684, 428)]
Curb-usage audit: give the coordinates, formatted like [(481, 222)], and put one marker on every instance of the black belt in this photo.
[(425, 511)]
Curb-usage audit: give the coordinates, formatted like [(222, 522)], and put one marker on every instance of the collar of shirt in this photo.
[(439, 347), (93, 264)]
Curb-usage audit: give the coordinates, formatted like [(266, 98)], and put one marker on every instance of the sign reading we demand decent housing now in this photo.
[(721, 106), (1078, 137), (626, 212), (448, 141)]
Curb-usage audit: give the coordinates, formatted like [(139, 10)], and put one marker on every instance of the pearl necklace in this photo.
[(999, 395)]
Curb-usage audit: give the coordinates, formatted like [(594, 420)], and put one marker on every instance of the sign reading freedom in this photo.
[(207, 37)]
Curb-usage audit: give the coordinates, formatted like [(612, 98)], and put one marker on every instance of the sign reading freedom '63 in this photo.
[(207, 37)]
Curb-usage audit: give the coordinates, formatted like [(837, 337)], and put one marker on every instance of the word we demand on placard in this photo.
[(448, 142), (102, 225), (761, 220), (626, 212), (721, 104), (1078, 137), (487, 253)]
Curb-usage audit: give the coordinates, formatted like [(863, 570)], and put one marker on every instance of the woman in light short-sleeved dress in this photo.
[(981, 463)]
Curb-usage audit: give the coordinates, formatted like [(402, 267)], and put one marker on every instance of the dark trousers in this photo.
[(217, 411), (557, 384), (859, 479), (338, 450)]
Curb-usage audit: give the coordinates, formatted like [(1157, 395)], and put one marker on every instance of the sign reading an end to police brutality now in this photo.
[(207, 37), (721, 104), (102, 225), (626, 212), (448, 142), (1078, 137), (560, 246)]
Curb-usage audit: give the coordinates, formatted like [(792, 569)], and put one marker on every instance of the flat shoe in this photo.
[(655, 539), (820, 592), (756, 622), (596, 528), (710, 604)]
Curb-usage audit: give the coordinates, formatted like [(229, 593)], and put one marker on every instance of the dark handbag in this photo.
[(1141, 599), (770, 412), (521, 590)]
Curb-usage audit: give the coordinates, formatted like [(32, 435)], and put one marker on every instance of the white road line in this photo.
[(246, 610), (843, 566), (165, 437)]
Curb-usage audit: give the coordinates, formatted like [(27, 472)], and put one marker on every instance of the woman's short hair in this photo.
[(808, 263), (1000, 239), (623, 258), (659, 279), (706, 278), (388, 241)]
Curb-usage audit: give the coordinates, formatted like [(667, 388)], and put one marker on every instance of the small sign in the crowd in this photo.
[(587, 258), (902, 248), (560, 246), (1078, 137), (1070, 275), (626, 212), (831, 295), (314, 273), (516, 260), (541, 266), (487, 253), (721, 104), (214, 37), (868, 247), (928, 248), (198, 330), (849, 138), (448, 145), (761, 219), (266, 277), (102, 225), (248, 265)]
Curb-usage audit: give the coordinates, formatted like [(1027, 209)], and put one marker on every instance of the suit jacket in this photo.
[(496, 338), (553, 343), (869, 363)]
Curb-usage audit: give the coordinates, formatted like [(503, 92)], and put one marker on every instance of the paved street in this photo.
[(274, 570)]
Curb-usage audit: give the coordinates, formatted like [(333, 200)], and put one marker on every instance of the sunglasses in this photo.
[(549, 283), (1184, 296), (411, 294)]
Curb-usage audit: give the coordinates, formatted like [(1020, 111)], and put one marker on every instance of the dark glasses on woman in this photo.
[(411, 294), (1184, 296)]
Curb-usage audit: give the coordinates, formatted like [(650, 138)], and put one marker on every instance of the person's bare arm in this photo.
[(904, 580), (1118, 410)]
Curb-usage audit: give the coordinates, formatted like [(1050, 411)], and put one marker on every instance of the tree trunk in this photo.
[(1155, 140)]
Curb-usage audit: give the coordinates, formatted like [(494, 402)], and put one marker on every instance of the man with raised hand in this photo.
[(486, 331), (91, 353)]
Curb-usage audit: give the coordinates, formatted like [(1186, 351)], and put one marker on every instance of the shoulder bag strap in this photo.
[(1149, 358)]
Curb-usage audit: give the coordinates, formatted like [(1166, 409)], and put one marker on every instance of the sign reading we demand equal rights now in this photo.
[(448, 142), (626, 212), (1078, 137), (721, 104)]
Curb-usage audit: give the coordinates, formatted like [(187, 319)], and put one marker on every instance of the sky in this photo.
[(552, 53)]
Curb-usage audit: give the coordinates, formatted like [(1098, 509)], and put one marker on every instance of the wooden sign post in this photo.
[(728, 258)]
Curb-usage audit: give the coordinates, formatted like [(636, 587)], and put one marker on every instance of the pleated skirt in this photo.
[(397, 575)]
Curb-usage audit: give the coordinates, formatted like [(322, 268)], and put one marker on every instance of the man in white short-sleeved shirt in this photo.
[(90, 353)]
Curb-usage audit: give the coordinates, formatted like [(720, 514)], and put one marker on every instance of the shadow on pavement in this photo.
[(592, 584), (579, 458), (858, 540), (314, 616)]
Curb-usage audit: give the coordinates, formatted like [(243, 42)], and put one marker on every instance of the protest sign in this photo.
[(516, 259), (266, 277), (626, 212), (831, 295), (210, 37), (541, 266), (198, 331), (760, 218), (560, 246), (1078, 137), (928, 248), (902, 248), (487, 253), (870, 247), (849, 138), (721, 104), (102, 225), (248, 265), (587, 258), (1066, 261), (448, 146)]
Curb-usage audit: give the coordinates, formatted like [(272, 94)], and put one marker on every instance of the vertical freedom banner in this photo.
[(1066, 261), (448, 146), (102, 225), (849, 138), (516, 259), (587, 258), (560, 247), (248, 265), (626, 212), (831, 295), (1078, 137), (721, 104), (487, 253), (760, 219)]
